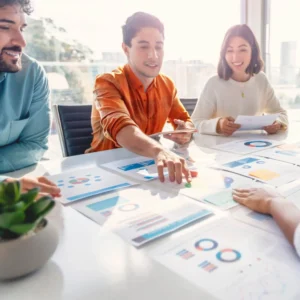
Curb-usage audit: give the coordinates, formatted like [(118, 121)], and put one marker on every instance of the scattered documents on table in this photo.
[(275, 173), (84, 183), (247, 146), (286, 152), (141, 168), (262, 221), (210, 186), (255, 122), (232, 260), (222, 199), (140, 215)]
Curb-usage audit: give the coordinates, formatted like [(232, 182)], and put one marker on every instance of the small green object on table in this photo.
[(188, 185)]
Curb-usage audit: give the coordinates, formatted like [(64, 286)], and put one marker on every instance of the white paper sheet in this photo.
[(225, 257), (140, 168), (211, 186), (247, 146), (255, 122), (286, 152), (84, 183), (275, 173), (262, 221), (140, 215)]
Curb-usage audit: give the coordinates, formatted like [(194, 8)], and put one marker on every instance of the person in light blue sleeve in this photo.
[(24, 93)]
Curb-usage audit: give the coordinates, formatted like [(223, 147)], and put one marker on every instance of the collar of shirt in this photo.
[(2, 76), (134, 81)]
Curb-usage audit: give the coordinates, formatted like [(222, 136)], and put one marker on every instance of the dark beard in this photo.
[(4, 67), (13, 67)]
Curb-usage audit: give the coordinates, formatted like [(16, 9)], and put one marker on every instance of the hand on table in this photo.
[(257, 199), (45, 185), (176, 165)]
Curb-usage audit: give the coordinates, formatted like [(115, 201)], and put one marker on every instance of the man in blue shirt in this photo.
[(24, 93), (24, 99)]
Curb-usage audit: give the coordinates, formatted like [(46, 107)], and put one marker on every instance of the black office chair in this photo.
[(189, 104), (73, 123)]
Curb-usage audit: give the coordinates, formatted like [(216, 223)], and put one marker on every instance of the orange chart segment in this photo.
[(264, 174)]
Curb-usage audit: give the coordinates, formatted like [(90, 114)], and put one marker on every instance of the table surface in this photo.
[(93, 263)]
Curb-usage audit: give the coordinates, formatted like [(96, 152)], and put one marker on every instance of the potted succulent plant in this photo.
[(27, 239)]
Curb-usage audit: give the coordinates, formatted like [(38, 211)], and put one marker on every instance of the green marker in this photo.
[(188, 185)]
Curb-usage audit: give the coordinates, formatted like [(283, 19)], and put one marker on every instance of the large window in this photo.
[(76, 40), (284, 61)]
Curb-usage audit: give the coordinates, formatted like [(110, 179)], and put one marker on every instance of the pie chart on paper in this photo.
[(258, 144)]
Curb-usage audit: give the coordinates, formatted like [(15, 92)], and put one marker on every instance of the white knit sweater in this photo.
[(221, 98)]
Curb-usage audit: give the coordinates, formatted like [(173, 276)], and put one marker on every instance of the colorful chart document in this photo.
[(84, 183), (247, 146), (286, 152), (255, 122), (140, 215), (275, 173), (141, 168), (211, 186), (225, 257)]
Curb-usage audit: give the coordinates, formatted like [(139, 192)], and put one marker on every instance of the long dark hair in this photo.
[(256, 63)]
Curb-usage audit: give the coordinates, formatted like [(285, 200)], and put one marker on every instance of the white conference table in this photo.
[(92, 263)]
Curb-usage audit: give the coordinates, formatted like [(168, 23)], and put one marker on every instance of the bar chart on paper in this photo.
[(273, 172), (140, 215), (141, 168)]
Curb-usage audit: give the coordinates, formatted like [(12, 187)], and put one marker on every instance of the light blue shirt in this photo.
[(24, 116)]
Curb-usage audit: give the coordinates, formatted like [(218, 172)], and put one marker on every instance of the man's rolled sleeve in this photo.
[(113, 112)]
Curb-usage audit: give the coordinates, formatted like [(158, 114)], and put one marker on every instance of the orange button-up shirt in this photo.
[(120, 100)]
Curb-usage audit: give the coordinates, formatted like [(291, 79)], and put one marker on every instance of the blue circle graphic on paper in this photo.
[(246, 167), (228, 181), (129, 207), (258, 144), (206, 244), (236, 255)]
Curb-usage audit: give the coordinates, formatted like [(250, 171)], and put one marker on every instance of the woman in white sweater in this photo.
[(240, 88)]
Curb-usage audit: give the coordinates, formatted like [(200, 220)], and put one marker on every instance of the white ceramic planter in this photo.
[(27, 254)]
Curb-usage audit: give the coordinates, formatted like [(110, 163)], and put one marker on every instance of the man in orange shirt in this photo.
[(135, 101)]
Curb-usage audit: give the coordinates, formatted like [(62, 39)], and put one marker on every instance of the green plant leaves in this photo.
[(21, 213), (39, 208), (11, 192), (21, 229), (9, 219), (29, 197)]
